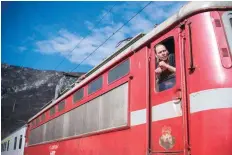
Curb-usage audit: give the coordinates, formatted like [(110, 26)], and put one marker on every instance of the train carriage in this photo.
[(120, 108), (13, 144)]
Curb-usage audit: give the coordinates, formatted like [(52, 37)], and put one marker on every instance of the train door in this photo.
[(168, 127)]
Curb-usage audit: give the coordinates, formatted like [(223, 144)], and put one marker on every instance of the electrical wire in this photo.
[(111, 36)]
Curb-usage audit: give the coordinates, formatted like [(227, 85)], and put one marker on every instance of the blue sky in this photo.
[(42, 34)]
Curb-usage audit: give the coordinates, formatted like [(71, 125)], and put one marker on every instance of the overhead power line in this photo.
[(111, 36), (110, 10)]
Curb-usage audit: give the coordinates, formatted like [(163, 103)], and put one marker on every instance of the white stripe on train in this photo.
[(200, 101)]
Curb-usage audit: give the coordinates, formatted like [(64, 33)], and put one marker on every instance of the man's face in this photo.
[(161, 53)]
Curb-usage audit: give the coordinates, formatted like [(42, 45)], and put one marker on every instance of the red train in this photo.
[(174, 98)]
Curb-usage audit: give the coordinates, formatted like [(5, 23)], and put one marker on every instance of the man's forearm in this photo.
[(171, 68)]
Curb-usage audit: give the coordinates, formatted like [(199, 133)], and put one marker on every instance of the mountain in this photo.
[(25, 90)]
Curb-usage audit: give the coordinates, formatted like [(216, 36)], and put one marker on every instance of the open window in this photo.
[(165, 64)]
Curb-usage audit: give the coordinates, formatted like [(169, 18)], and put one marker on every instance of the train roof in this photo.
[(8, 136), (138, 41)]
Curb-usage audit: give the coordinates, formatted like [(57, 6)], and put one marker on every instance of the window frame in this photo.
[(37, 120), (83, 95), (227, 25), (15, 143), (50, 111), (8, 143), (43, 117), (117, 65), (99, 77), (161, 41), (60, 107), (20, 141)]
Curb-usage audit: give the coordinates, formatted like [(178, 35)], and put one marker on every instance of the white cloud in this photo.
[(22, 48), (65, 41)]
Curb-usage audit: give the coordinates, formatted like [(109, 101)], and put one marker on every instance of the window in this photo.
[(95, 85), (227, 22), (165, 76), (33, 123), (20, 141), (119, 71), (61, 105), (15, 143), (37, 121), (43, 117), (8, 143), (52, 111), (77, 96), (111, 107), (231, 22)]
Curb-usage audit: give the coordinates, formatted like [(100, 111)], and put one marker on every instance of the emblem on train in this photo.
[(53, 149), (167, 141)]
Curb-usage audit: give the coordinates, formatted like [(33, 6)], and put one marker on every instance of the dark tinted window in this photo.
[(231, 22), (52, 111), (15, 143), (33, 123), (8, 143), (95, 85), (61, 105), (20, 141), (78, 95), (119, 71), (37, 121), (43, 117)]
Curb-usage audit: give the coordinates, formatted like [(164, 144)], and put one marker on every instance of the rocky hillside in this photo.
[(24, 91)]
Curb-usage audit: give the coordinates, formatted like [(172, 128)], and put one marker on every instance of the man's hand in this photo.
[(163, 65), (158, 70)]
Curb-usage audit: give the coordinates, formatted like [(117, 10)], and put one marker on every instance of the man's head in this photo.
[(161, 52)]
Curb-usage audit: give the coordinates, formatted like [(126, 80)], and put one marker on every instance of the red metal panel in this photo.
[(208, 133), (129, 142), (211, 132), (174, 125)]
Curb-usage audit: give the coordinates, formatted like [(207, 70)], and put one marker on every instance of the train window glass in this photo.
[(52, 111), (165, 64), (20, 141), (37, 121), (4, 146), (231, 22), (227, 22), (78, 95), (43, 117), (95, 85), (61, 105), (33, 123), (119, 71), (15, 143), (8, 143)]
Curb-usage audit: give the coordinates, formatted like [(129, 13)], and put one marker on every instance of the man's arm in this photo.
[(162, 64)]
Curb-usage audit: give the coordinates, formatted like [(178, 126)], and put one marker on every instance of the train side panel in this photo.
[(209, 89), (16, 143), (129, 140)]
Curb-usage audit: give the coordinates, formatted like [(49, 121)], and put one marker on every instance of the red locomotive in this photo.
[(166, 92)]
